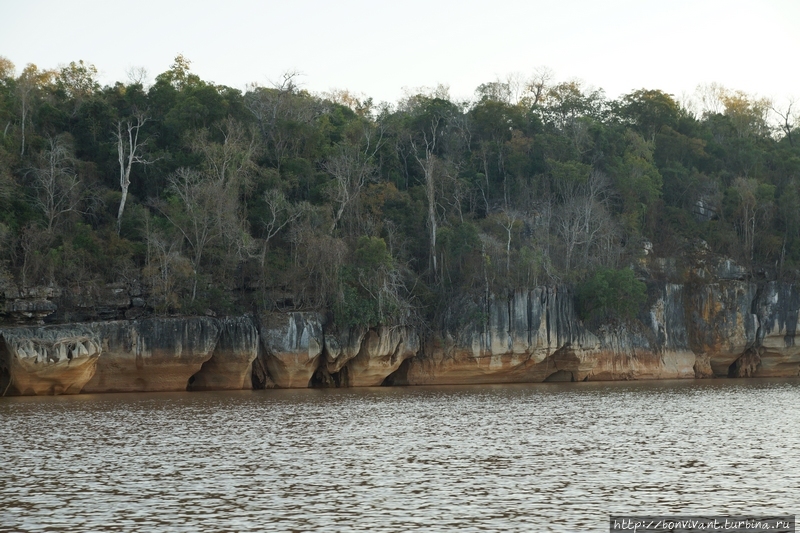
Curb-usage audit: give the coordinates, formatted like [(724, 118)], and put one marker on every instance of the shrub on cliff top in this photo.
[(609, 292)]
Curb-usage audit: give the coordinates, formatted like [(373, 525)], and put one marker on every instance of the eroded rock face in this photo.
[(721, 324), (382, 352), (342, 347), (778, 354), (157, 354), (292, 344), (730, 328), (655, 347), (29, 310), (526, 337), (231, 364), (47, 360), (365, 357)]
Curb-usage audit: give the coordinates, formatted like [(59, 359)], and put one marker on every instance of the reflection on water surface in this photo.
[(543, 457)]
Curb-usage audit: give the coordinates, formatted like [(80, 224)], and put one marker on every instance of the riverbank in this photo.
[(729, 328)]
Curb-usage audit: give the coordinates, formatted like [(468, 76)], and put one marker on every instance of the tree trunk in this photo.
[(431, 194), (122, 207)]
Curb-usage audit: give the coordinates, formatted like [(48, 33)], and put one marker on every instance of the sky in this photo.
[(379, 48)]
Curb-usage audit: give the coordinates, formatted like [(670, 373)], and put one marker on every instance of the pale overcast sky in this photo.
[(377, 48)]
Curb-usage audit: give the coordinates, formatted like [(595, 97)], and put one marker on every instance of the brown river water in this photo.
[(541, 457)]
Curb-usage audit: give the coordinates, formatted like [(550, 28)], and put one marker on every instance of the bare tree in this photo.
[(282, 214), (710, 96), (165, 267), (204, 216), (755, 208), (209, 212), (276, 107), (424, 153), (509, 222), (58, 189), (788, 120), (129, 148), (229, 162), (538, 84), (137, 75), (581, 216), (517, 87), (351, 170), (25, 88)]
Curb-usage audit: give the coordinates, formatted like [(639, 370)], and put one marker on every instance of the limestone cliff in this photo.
[(775, 353), (726, 328), (527, 337), (721, 324), (656, 346), (231, 364), (35, 361), (155, 354), (292, 344), (363, 357)]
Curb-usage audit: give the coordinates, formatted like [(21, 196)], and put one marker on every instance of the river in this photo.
[(539, 457)]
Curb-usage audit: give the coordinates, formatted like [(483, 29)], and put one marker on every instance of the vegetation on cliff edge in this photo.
[(209, 198)]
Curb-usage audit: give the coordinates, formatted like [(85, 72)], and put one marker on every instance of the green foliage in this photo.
[(371, 253), (637, 179), (355, 305), (460, 252), (611, 293), (567, 173), (515, 193), (650, 111), (212, 298)]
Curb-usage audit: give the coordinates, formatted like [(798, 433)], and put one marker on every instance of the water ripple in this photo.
[(544, 457)]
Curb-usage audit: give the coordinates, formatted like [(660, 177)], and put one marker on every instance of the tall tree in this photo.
[(77, 81), (29, 83), (424, 143), (129, 151)]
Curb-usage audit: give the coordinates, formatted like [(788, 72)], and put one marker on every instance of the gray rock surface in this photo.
[(725, 328), (231, 364), (292, 344), (154, 354), (47, 360)]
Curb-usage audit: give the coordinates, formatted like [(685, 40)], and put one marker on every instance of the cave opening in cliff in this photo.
[(203, 379), (560, 376), (324, 379), (399, 377)]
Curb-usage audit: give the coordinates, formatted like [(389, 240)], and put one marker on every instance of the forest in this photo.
[(211, 200)]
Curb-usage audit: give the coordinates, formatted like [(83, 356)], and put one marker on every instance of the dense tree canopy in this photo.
[(211, 199)]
